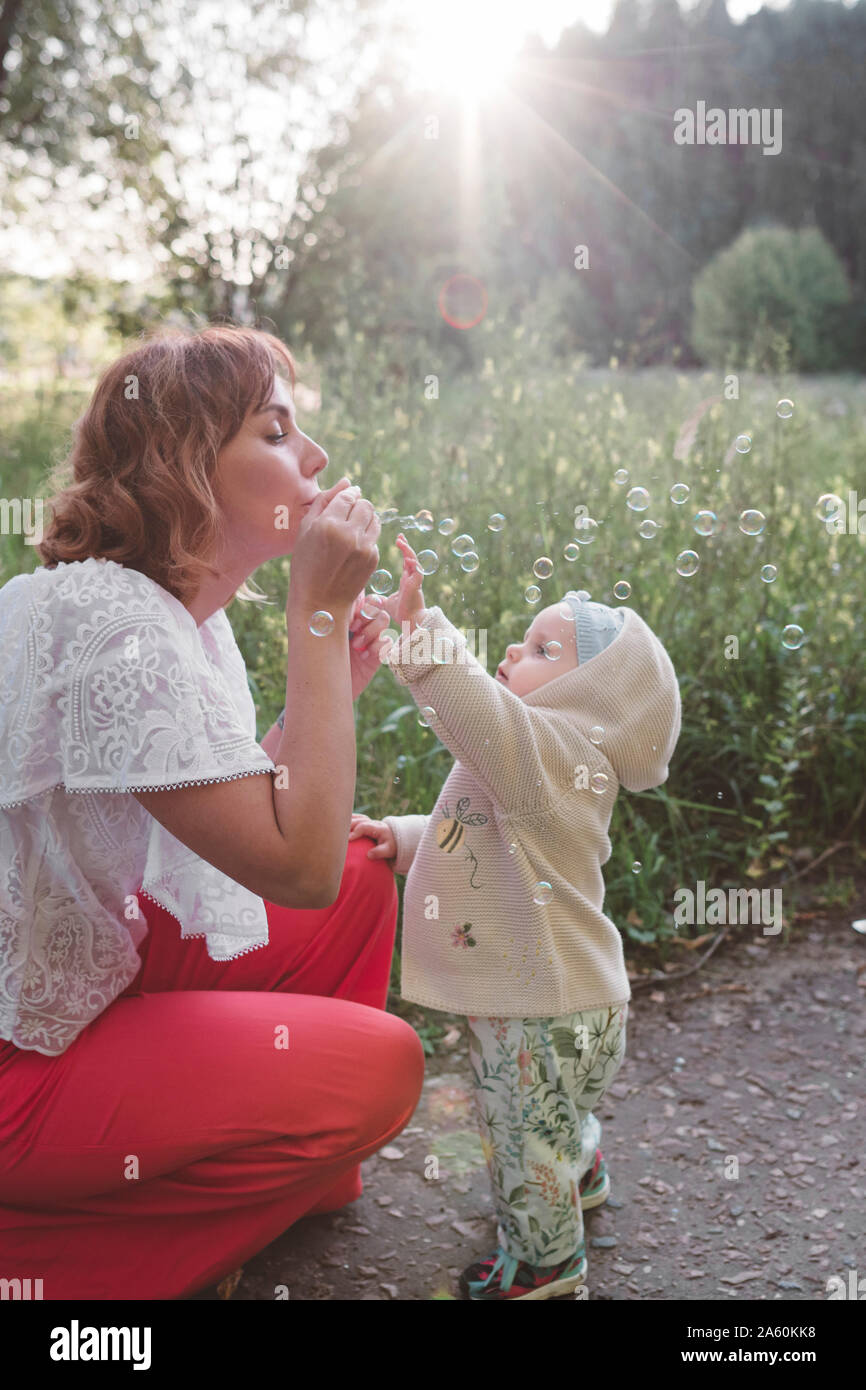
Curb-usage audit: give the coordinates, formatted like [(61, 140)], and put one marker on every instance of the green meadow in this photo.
[(770, 769)]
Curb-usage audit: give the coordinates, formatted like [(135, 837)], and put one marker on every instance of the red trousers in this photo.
[(179, 1134)]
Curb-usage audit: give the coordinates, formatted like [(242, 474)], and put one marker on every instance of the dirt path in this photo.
[(759, 1056)]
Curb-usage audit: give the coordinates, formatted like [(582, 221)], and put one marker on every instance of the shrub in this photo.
[(774, 293)]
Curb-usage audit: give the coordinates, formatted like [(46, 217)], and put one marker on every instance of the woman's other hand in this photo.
[(365, 649)]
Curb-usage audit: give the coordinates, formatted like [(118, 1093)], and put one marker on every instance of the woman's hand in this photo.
[(386, 845), (335, 551), (364, 644)]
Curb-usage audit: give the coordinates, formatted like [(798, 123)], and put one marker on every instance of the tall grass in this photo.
[(771, 763)]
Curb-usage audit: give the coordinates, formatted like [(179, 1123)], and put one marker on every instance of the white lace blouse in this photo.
[(107, 685)]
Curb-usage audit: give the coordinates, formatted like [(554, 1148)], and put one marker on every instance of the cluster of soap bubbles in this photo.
[(751, 523)]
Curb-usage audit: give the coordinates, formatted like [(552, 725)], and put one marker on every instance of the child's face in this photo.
[(527, 665)]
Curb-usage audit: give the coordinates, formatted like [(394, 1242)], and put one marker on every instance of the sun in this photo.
[(467, 48)]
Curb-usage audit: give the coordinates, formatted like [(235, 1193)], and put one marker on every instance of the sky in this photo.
[(462, 45)]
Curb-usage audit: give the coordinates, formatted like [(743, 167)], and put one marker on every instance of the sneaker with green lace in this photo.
[(594, 1186), (501, 1276)]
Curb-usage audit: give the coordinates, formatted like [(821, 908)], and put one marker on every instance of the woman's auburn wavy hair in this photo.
[(139, 484)]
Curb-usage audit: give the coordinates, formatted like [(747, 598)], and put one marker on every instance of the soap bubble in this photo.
[(543, 893), (587, 529), (446, 526), (532, 594), (792, 637), (680, 493), (743, 443), (495, 522), (321, 623), (648, 529), (768, 573), (571, 551), (425, 715), (785, 409), (621, 476), (566, 611), (428, 561), (409, 523), (553, 650), (622, 589), (829, 506), (382, 582), (424, 520), (461, 544), (752, 523), (636, 867), (370, 610), (688, 563), (706, 523), (389, 514), (469, 561), (638, 499), (598, 782), (543, 568), (596, 734)]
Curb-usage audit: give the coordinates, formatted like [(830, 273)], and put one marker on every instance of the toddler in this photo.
[(502, 911)]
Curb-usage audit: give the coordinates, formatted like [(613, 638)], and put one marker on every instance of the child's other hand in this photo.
[(386, 845), (406, 605)]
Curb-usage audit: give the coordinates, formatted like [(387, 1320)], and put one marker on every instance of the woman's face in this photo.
[(267, 478)]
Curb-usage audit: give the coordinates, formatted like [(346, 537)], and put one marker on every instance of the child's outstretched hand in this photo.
[(386, 845), (406, 605)]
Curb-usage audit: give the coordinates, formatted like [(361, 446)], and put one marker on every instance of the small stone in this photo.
[(391, 1290), (715, 1146), (603, 1242), (358, 1230), (465, 1228), (391, 1153)]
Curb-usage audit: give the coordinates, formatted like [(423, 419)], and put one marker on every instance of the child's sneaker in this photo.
[(501, 1276), (594, 1186)]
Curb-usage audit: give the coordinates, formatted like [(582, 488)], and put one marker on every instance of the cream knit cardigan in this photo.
[(524, 806)]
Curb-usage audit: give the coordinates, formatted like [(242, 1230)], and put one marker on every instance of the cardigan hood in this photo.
[(630, 691)]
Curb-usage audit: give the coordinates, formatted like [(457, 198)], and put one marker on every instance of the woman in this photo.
[(194, 960)]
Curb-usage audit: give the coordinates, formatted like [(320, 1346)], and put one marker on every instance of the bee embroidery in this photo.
[(451, 833), (462, 936)]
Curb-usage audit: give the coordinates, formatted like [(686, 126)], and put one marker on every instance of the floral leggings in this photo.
[(535, 1081)]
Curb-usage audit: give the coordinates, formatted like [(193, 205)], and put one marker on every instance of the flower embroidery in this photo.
[(462, 936)]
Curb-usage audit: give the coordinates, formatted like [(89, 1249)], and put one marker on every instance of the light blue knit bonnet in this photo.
[(595, 624)]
